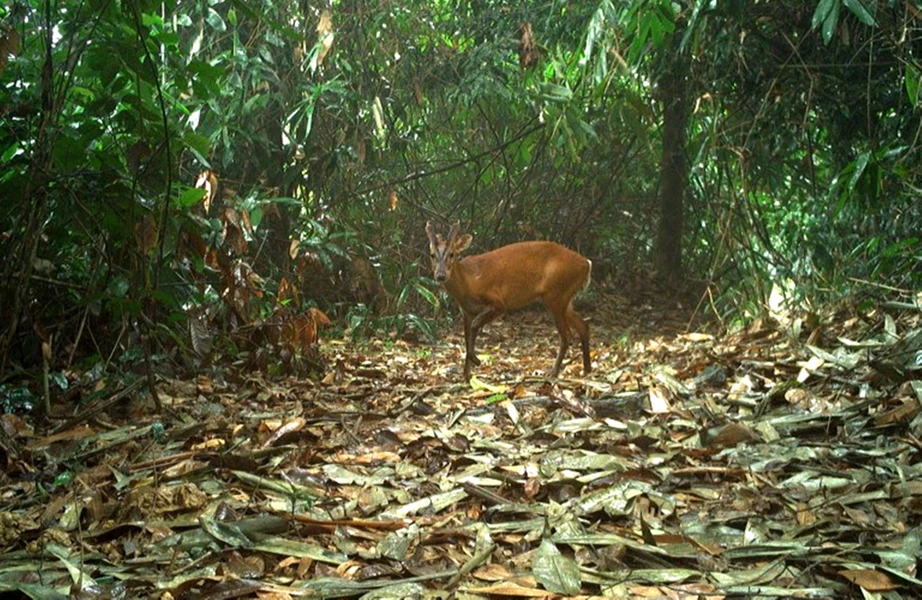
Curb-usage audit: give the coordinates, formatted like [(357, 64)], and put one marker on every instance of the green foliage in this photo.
[(801, 144), (17, 400), (364, 324), (826, 16)]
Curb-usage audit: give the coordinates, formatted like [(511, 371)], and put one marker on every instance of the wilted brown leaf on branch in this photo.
[(208, 181), (325, 35), (528, 50), (9, 45)]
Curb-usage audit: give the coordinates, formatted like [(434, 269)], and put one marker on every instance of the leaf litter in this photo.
[(770, 462)]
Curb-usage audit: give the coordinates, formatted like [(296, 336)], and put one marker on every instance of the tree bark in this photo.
[(667, 251)]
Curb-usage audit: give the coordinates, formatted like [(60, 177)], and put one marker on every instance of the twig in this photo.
[(882, 286), (901, 305), (89, 413)]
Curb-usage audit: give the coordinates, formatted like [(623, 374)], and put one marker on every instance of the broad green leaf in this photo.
[(859, 166), (861, 11), (692, 26), (557, 573), (168, 38), (821, 12), (898, 247), (556, 93), (215, 20), (13, 150), (60, 380), (656, 28), (911, 78), (829, 25), (34, 591), (256, 217), (149, 19), (206, 76), (190, 196), (427, 294), (118, 287), (587, 129), (595, 29)]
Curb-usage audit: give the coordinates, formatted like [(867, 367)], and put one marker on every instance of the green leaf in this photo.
[(596, 28), (191, 196), (59, 380), (556, 93), (821, 12), (198, 145), (118, 287), (898, 247), (829, 25), (64, 479), (587, 129), (859, 165), (206, 77), (655, 27), (424, 326), (427, 294), (168, 38), (861, 11), (215, 20), (557, 573), (10, 152), (148, 19), (911, 78)]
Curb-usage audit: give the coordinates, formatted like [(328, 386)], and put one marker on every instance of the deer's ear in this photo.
[(463, 242), (434, 238)]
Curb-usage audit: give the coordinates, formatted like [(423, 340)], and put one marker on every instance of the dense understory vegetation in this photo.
[(184, 178)]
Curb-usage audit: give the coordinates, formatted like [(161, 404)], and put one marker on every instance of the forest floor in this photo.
[(767, 463)]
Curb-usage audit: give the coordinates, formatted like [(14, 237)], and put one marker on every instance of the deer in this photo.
[(488, 285)]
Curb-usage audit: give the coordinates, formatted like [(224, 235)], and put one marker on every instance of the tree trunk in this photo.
[(667, 252)]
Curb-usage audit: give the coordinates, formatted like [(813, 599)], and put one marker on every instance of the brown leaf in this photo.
[(245, 567), (360, 149), (9, 45), (730, 435), (493, 572), (869, 579), (904, 413), (208, 181), (287, 428), (528, 50), (418, 91), (287, 292), (146, 234), (509, 589), (233, 234), (136, 154), (325, 35)]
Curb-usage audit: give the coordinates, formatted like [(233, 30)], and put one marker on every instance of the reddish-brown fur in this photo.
[(487, 285)]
